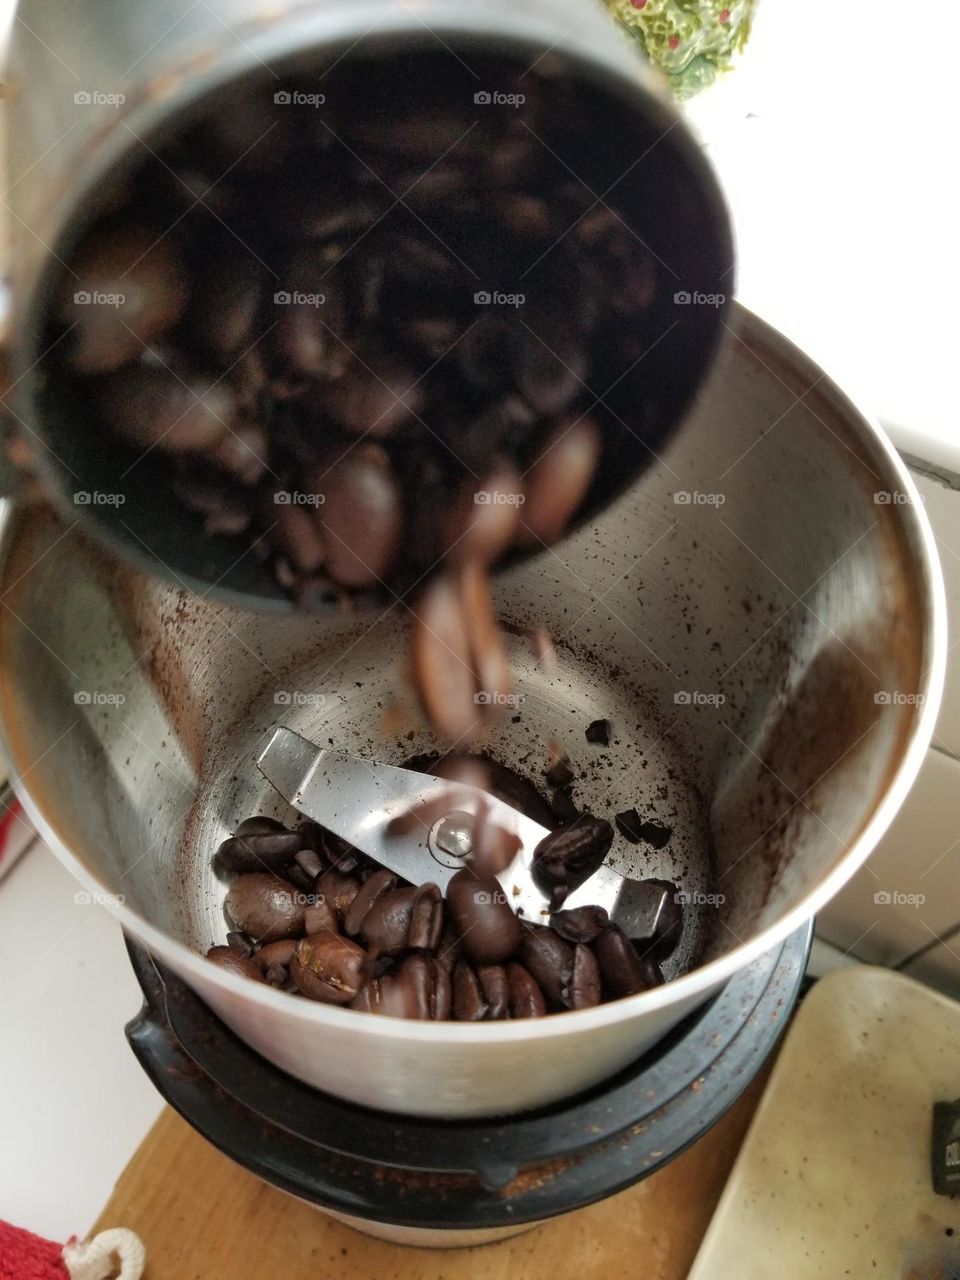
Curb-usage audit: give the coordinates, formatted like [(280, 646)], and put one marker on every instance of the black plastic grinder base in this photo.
[(450, 1175)]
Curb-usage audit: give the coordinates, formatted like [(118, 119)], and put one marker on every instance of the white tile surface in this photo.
[(74, 1103), (920, 855)]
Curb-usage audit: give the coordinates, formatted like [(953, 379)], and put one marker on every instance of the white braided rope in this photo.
[(96, 1259)]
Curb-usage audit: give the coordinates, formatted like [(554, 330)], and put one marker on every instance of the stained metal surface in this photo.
[(801, 599)]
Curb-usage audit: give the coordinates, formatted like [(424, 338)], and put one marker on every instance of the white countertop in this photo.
[(844, 200)]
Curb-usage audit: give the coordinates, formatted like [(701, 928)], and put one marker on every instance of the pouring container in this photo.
[(121, 81), (761, 617)]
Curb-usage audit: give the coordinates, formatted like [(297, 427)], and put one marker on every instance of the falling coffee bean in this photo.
[(360, 516), (558, 481)]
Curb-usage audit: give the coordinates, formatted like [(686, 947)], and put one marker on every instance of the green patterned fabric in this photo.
[(691, 40)]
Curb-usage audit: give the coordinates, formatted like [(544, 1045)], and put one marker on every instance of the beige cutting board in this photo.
[(833, 1179)]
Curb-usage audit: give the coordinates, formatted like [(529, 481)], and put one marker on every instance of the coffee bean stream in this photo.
[(339, 376)]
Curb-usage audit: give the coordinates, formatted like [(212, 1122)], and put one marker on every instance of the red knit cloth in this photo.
[(24, 1256)]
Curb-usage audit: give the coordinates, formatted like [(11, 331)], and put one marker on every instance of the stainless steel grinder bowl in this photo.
[(119, 81), (762, 617)]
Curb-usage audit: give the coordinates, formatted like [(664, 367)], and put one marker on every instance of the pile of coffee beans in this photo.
[(316, 917), (367, 328)]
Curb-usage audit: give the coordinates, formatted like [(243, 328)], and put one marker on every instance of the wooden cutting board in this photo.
[(202, 1217)]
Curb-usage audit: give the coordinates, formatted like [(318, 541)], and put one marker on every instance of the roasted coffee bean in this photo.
[(560, 772), (441, 661), (299, 878), (549, 959), (469, 1003), (259, 844), (496, 990), (418, 988), (558, 481), (320, 917), (311, 836), (568, 856), (338, 889), (127, 288), (635, 829), (380, 884), (276, 954), (309, 859), (238, 941), (563, 807), (492, 847), (622, 970), (242, 453), (580, 924), (585, 987), (658, 928), (526, 998), (234, 962), (483, 522), (448, 948), (374, 397), (488, 650), (629, 823), (405, 920), (265, 906), (226, 302), (329, 968), (150, 405), (489, 930), (599, 732), (360, 516), (550, 374)]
